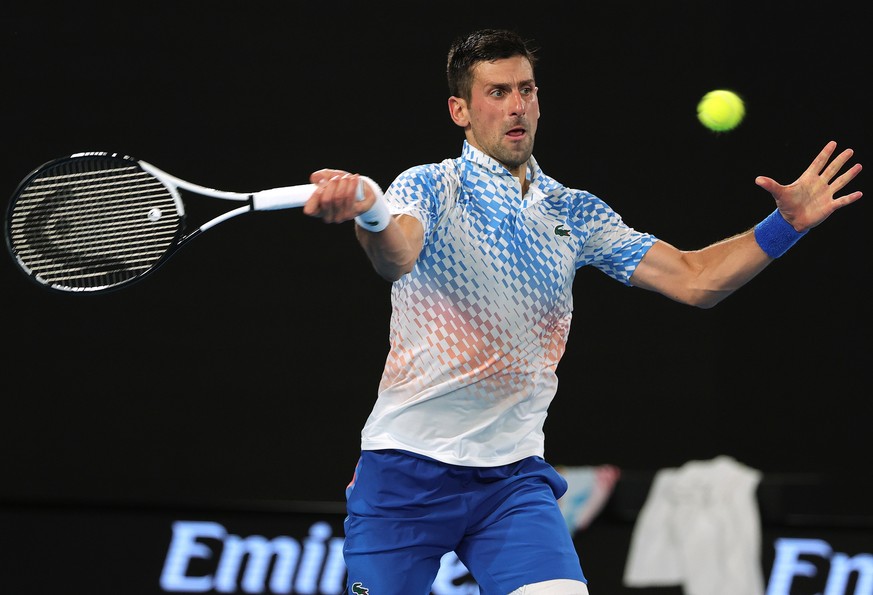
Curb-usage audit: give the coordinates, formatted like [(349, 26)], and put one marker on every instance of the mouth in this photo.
[(517, 132)]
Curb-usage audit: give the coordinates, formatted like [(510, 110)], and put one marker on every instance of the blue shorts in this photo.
[(405, 511)]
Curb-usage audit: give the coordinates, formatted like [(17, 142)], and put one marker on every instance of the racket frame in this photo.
[(271, 199)]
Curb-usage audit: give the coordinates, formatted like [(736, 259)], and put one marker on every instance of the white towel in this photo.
[(699, 528)]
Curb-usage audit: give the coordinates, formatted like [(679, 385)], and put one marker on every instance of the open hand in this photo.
[(810, 199)]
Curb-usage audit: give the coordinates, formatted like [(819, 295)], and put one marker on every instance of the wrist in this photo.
[(377, 217), (775, 235)]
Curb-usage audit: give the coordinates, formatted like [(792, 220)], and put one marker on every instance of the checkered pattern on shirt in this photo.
[(480, 324)]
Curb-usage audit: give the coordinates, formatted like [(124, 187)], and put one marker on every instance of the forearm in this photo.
[(394, 250), (722, 268), (704, 277)]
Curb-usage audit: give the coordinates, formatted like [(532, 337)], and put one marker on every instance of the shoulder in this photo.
[(429, 179), (579, 203), (429, 171)]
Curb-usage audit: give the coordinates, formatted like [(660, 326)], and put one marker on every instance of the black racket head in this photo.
[(92, 222)]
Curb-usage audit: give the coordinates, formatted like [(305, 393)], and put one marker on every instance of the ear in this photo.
[(458, 111)]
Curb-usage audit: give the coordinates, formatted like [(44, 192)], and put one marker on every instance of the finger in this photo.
[(321, 176), (845, 178), (312, 207), (837, 164), (818, 164), (847, 200), (339, 196), (349, 184), (768, 184), (317, 177), (327, 197), (341, 186)]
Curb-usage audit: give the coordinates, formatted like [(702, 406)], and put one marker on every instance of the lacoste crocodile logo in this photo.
[(360, 589), (561, 232)]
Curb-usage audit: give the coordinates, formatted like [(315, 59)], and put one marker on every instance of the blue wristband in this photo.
[(775, 235)]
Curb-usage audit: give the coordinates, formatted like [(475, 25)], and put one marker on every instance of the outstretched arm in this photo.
[(393, 249), (705, 277)]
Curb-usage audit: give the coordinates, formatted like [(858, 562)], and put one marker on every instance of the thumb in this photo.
[(768, 184)]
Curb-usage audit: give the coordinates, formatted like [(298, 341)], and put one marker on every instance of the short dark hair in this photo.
[(484, 45)]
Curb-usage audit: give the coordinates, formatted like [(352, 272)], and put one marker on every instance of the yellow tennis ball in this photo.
[(721, 110)]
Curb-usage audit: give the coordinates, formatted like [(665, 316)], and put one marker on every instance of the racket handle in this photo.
[(282, 198)]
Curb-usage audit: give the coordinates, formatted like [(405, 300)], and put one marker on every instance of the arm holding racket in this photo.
[(394, 249)]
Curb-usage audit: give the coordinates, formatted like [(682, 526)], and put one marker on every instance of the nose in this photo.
[(520, 106)]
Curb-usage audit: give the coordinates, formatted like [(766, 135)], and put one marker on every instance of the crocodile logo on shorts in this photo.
[(561, 232), (360, 589)]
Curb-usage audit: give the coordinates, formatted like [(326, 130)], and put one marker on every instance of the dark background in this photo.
[(244, 369)]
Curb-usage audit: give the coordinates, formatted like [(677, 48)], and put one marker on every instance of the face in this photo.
[(501, 117)]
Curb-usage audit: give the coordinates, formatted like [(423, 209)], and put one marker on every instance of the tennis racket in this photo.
[(93, 222)]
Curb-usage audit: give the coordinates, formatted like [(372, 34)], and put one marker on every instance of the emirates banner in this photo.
[(146, 551)]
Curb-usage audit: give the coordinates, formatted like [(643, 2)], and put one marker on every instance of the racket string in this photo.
[(89, 225)]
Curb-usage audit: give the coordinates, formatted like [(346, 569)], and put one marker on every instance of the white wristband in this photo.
[(378, 217)]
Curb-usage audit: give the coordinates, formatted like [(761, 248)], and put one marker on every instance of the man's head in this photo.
[(485, 45), (494, 96)]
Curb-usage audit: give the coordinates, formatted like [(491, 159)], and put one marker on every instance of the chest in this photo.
[(506, 242)]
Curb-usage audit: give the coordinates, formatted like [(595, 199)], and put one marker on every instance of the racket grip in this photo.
[(282, 198)]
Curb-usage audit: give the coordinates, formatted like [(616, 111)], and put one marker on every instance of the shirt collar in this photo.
[(471, 153), (533, 172)]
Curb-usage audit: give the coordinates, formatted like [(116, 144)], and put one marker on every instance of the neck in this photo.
[(520, 172)]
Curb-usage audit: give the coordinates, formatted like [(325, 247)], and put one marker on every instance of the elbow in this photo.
[(706, 300), (701, 302), (698, 297), (706, 304), (392, 275), (394, 271)]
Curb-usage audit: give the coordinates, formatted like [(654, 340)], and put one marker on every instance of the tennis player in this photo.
[(481, 250)]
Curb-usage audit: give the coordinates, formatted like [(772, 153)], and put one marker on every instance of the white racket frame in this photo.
[(286, 197)]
